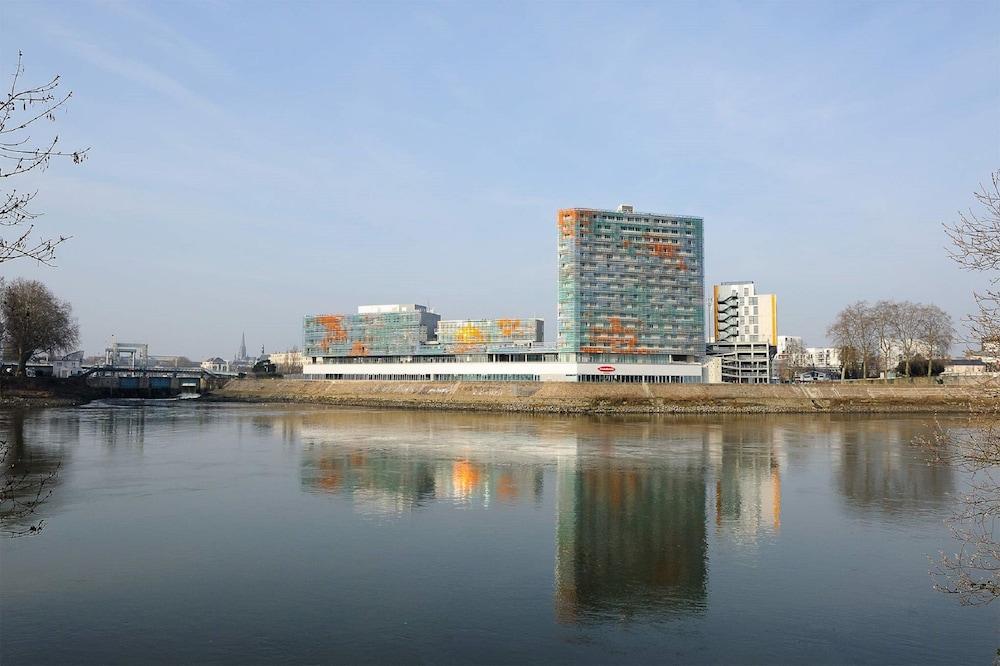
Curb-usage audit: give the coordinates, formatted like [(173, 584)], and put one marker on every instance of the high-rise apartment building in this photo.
[(745, 327), (631, 286), (743, 315)]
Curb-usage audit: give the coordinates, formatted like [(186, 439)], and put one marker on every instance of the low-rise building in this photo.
[(965, 366), (744, 362), (69, 365), (288, 361), (711, 372), (988, 353), (215, 364), (789, 344), (403, 343), (817, 375), (823, 357)]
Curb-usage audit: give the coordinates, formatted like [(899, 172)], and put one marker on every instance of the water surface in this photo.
[(212, 533)]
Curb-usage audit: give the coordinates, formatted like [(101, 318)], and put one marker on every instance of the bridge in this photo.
[(153, 381)]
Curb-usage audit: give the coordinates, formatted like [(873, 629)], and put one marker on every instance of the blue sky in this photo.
[(253, 162)]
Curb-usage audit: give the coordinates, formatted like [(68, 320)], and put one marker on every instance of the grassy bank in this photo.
[(609, 398)]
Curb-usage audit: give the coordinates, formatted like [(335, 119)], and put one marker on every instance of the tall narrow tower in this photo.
[(241, 355)]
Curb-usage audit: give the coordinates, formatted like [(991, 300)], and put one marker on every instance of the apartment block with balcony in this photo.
[(745, 324), (631, 286)]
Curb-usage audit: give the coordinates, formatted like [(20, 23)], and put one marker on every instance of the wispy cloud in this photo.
[(134, 70), (170, 42)]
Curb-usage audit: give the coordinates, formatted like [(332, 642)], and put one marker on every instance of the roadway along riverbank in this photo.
[(610, 398)]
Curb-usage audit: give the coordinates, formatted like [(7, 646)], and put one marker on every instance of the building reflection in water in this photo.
[(387, 467), (746, 458), (124, 425), (630, 531), (634, 497), (881, 468)]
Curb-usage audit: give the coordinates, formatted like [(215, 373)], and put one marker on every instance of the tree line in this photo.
[(876, 337)]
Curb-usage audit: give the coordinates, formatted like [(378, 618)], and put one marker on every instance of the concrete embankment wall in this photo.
[(618, 398)]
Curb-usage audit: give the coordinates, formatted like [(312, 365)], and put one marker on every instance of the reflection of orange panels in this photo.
[(682, 265), (359, 349), (506, 487), (465, 476)]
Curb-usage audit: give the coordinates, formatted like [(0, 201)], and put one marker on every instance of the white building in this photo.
[(965, 366), (743, 315), (532, 366), (215, 364), (789, 342), (745, 326), (286, 359), (823, 357), (69, 365)]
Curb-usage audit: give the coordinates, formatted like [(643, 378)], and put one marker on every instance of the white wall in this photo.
[(546, 371)]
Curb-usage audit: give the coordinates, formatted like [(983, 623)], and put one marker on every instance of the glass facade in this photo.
[(370, 333), (410, 332), (631, 286), (464, 335)]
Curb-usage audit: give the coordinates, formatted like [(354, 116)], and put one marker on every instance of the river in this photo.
[(219, 533)]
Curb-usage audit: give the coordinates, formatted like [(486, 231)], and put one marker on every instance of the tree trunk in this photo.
[(22, 363)]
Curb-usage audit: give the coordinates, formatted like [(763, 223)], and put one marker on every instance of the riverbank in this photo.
[(573, 398), (45, 392)]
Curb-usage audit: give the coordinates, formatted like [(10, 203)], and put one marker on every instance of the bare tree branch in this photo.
[(973, 573), (20, 110)]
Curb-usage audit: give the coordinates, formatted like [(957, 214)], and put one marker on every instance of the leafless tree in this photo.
[(973, 573), (791, 361), (3, 330), (35, 320), (883, 315), (22, 108), (975, 245), (906, 330), (854, 332), (936, 332)]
